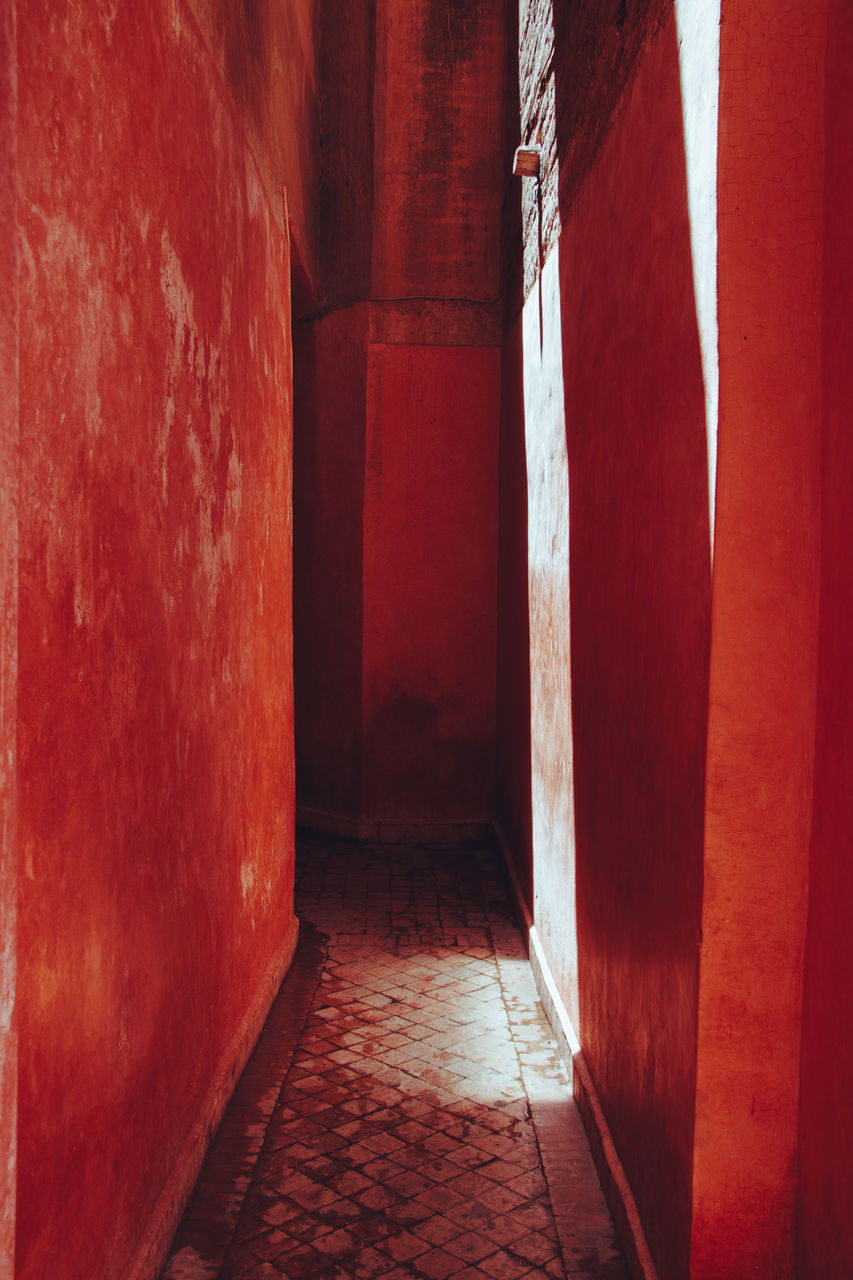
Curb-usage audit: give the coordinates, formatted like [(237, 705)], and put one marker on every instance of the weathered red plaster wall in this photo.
[(155, 710), (9, 451), (412, 187), (330, 380), (824, 1229), (432, 412), (640, 606), (430, 553), (344, 221), (764, 647), (438, 171), (267, 53)]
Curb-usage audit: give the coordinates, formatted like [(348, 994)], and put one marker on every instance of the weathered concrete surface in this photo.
[(602, 46), (155, 710), (432, 411)]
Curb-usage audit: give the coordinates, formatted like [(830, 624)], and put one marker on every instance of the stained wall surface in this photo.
[(154, 696), (395, 667)]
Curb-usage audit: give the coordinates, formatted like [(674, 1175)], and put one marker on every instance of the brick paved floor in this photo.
[(405, 1113)]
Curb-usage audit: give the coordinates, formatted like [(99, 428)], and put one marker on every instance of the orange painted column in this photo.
[(764, 640), (9, 448)]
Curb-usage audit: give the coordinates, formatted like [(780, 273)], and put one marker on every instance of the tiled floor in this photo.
[(405, 1113)]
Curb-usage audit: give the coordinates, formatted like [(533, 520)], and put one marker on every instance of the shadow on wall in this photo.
[(513, 799), (329, 379), (514, 808), (640, 602), (824, 1230)]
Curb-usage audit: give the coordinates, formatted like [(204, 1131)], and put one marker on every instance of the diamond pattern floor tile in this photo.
[(405, 1113)]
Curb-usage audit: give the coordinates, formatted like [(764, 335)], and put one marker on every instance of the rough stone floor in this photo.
[(405, 1113)]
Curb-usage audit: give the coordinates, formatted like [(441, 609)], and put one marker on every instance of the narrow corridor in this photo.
[(405, 1113)]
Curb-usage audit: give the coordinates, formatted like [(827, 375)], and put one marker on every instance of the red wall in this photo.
[(714, 964), (266, 54), (439, 176), (155, 709), (639, 587), (9, 454), (640, 592), (764, 648), (146, 648), (513, 786), (395, 571), (824, 1240), (430, 552), (397, 421), (330, 380), (432, 413)]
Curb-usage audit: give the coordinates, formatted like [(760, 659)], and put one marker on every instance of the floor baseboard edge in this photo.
[(614, 1182), (152, 1250), (392, 831)]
